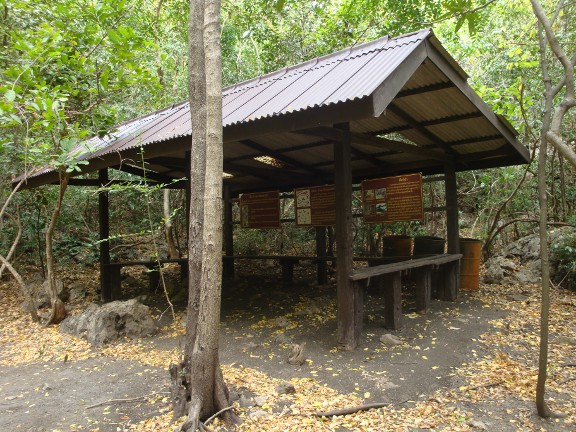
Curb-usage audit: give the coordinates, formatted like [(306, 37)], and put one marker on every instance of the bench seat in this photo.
[(422, 267)]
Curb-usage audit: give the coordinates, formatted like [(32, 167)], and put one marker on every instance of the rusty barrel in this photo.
[(428, 245), (471, 250), (396, 246)]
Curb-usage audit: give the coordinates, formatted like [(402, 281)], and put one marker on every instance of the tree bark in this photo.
[(168, 227), (58, 310), (200, 390)]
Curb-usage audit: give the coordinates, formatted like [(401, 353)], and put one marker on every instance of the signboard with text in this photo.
[(315, 206), (260, 210), (393, 199)]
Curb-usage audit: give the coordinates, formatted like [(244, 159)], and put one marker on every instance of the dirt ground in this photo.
[(466, 365)]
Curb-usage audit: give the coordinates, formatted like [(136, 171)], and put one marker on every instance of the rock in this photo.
[(46, 387), (259, 413), (282, 322), (530, 273), (77, 292), (282, 338), (389, 339), (245, 401), (234, 396), (517, 297), (296, 357), (114, 320), (564, 340), (285, 388), (497, 268), (309, 310), (477, 424), (260, 400), (62, 293)]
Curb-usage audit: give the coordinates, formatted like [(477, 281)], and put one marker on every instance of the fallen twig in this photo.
[(209, 419), (488, 385), (111, 401), (567, 365), (352, 410)]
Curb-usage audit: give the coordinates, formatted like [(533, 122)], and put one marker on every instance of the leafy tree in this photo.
[(62, 61)]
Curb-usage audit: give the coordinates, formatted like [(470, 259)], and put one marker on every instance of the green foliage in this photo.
[(563, 258)]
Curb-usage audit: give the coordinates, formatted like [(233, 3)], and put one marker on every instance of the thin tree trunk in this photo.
[(201, 391), (6, 260), (27, 294), (168, 227), (14, 243), (58, 309)]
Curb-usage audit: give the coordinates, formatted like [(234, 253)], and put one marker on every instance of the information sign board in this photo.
[(260, 210), (393, 199), (315, 206)]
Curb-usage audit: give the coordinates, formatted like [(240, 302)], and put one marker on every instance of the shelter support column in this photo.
[(104, 225), (451, 280), (349, 296), (322, 266), (228, 264)]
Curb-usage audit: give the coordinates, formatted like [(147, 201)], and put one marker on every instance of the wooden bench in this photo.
[(422, 273), (153, 273), (286, 261)]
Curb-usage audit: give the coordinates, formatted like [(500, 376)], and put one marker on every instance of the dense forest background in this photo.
[(73, 69)]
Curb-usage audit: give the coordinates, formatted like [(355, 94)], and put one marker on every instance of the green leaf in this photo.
[(10, 95), (280, 5)]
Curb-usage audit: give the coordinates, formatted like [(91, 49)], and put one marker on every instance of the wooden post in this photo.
[(423, 279), (228, 264), (393, 300), (453, 233), (349, 301), (321, 266), (104, 225)]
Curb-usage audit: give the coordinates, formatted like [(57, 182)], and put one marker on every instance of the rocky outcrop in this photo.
[(111, 321)]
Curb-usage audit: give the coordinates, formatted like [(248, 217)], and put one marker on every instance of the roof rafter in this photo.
[(282, 158), (420, 128), (397, 146)]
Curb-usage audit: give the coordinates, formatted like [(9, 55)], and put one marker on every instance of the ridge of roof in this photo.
[(383, 43)]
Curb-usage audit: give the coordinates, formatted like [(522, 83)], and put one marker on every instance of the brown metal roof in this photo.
[(406, 89)]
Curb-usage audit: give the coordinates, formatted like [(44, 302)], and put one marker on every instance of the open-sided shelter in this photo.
[(386, 107)]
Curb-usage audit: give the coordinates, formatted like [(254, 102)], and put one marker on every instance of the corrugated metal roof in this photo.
[(354, 74), (318, 82)]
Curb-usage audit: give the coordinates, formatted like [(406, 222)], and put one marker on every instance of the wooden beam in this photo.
[(279, 156), (157, 177), (82, 182), (425, 89), (397, 146), (420, 128), (104, 235), (441, 63), (270, 174), (349, 296)]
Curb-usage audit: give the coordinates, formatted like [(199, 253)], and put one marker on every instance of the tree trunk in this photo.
[(168, 228), (551, 132), (6, 260), (198, 386), (58, 309), (25, 289)]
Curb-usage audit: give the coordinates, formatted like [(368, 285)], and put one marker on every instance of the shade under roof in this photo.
[(405, 100)]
